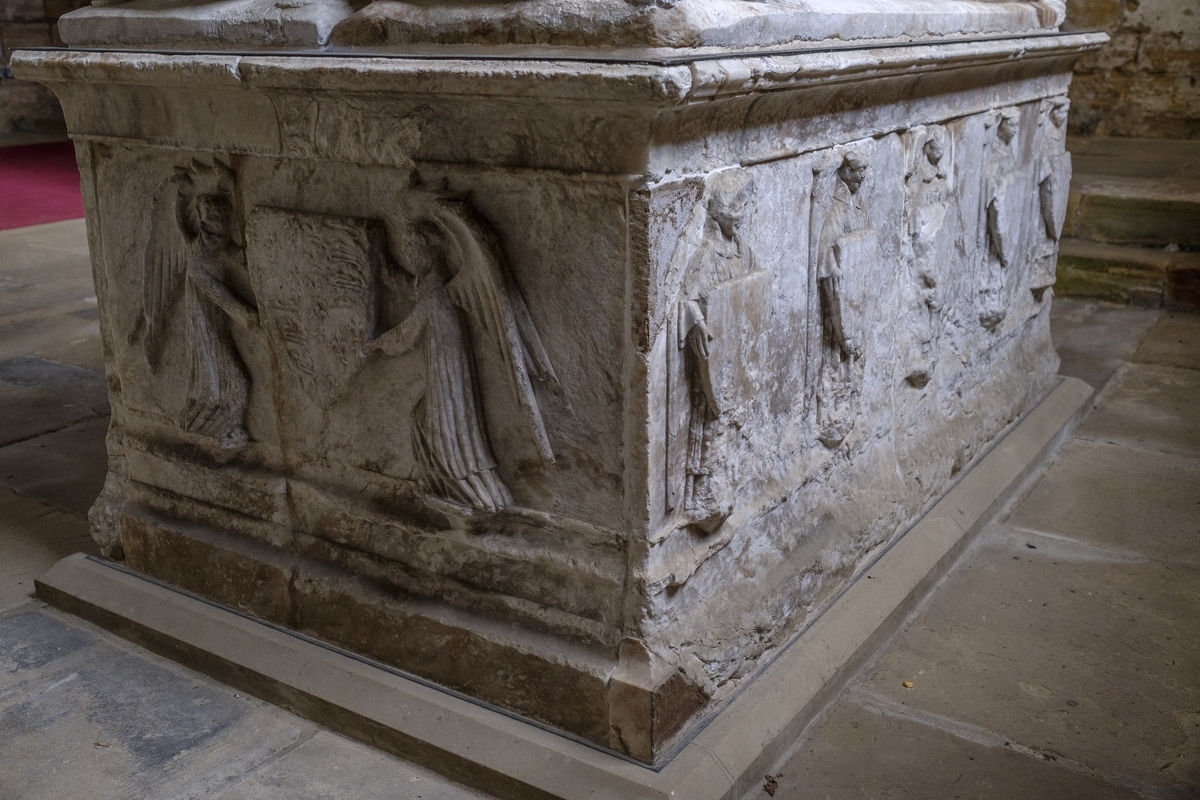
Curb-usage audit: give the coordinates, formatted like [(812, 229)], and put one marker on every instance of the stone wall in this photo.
[(25, 105), (1144, 84)]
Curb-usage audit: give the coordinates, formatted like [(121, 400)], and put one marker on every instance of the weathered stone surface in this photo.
[(579, 387), (1097, 650), (862, 754), (1173, 427), (385, 24), (1144, 83), (1085, 495), (1174, 341)]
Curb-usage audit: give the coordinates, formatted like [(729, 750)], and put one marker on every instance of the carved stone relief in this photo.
[(192, 252), (336, 293), (929, 206), (844, 245), (1004, 204), (708, 318), (343, 130), (318, 295), (1054, 187), (463, 300)]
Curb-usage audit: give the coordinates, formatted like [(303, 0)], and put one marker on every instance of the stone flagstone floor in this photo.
[(1059, 659)]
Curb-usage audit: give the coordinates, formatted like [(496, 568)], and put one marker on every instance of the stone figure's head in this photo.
[(1059, 111), (1010, 125), (214, 214), (853, 171), (729, 194), (206, 191), (423, 252), (935, 146)]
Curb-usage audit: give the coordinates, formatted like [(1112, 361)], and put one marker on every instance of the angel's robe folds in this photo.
[(449, 437)]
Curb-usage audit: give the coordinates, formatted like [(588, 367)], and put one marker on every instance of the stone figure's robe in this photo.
[(218, 389), (449, 437)]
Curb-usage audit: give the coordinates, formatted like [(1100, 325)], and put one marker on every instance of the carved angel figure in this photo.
[(722, 256), (466, 303), (846, 242), (1004, 218), (190, 256), (1054, 186)]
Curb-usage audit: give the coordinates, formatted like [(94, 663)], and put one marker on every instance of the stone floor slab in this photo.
[(1141, 502), (1096, 347), (33, 536), (65, 468), (47, 300), (39, 396), (1152, 407), (1068, 650), (1174, 341), (87, 716), (331, 767), (864, 753)]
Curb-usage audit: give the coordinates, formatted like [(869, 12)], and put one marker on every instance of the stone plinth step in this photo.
[(1135, 191), (1153, 277), (498, 752)]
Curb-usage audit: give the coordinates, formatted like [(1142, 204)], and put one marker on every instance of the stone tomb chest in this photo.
[(571, 356)]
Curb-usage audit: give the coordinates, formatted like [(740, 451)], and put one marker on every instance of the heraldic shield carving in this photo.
[(317, 302)]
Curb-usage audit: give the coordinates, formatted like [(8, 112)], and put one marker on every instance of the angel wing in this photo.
[(484, 288), (165, 265)]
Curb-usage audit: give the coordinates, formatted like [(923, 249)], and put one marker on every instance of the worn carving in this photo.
[(466, 301), (193, 250), (1005, 200), (317, 294), (344, 130), (929, 199), (1054, 187), (722, 258), (845, 245)]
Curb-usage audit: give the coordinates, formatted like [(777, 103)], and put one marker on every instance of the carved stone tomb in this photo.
[(570, 355)]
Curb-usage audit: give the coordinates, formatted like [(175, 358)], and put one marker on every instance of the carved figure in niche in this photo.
[(1005, 202), (722, 257), (466, 301), (847, 244), (1054, 186), (191, 256), (929, 202)]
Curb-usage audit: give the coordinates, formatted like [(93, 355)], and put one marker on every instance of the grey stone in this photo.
[(34, 535), (1150, 406), (329, 767), (1019, 632), (77, 704), (66, 467), (1131, 500), (47, 295), (1098, 345), (1174, 341), (861, 751), (39, 396)]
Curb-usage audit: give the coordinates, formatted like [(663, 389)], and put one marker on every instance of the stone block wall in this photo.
[(25, 105), (1144, 83)]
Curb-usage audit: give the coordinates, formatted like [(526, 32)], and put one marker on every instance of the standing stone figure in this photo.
[(466, 304), (722, 257), (847, 245), (929, 202), (1054, 186), (192, 253), (1005, 202)]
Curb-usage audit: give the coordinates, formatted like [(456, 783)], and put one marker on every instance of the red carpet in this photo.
[(38, 183)]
